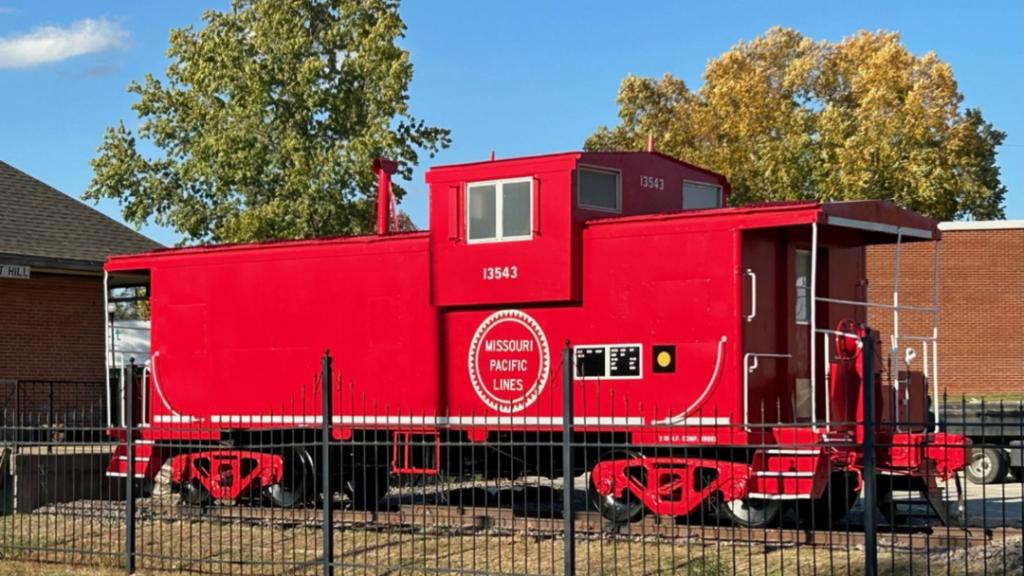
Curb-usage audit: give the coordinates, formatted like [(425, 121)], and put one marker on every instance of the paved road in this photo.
[(995, 504), (987, 505)]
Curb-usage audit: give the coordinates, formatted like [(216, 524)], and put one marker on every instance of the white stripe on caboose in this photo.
[(242, 419)]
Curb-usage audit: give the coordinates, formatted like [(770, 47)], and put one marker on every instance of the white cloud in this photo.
[(53, 43)]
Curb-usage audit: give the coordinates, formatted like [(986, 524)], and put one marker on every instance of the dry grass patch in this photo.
[(72, 546)]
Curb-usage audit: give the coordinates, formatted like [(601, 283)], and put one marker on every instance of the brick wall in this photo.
[(981, 300), (74, 403), (51, 328)]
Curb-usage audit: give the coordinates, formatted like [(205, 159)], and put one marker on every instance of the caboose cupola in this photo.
[(509, 231)]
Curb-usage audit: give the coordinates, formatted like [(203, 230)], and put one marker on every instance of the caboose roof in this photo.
[(135, 261), (569, 157), (879, 219)]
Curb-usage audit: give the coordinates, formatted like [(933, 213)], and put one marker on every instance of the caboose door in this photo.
[(765, 339), (777, 328)]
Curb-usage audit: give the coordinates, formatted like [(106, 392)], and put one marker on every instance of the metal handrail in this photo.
[(814, 324), (905, 307), (121, 394), (749, 368), (895, 338), (825, 333), (921, 338), (753, 295), (860, 341), (145, 399), (107, 339), (139, 328), (929, 368)]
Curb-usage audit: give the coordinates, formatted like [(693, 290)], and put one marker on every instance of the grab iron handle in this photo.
[(753, 295)]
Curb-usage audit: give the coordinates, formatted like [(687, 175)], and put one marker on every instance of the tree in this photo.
[(787, 118), (267, 123)]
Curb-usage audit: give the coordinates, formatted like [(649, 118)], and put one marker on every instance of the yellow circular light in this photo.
[(664, 359)]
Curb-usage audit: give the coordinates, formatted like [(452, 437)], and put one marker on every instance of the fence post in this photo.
[(50, 436), (129, 477), (870, 479), (568, 499), (17, 414), (326, 419)]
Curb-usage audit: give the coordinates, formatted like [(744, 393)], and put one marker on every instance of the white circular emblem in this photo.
[(509, 361)]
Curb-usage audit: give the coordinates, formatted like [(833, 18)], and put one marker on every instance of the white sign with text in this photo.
[(15, 271)]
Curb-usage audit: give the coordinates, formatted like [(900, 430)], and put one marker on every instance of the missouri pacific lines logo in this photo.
[(509, 361)]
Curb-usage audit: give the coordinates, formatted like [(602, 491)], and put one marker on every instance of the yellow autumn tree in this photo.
[(786, 118)]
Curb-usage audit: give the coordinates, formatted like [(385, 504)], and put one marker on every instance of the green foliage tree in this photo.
[(267, 123), (788, 118)]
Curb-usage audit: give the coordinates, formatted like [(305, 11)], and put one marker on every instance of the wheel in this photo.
[(1017, 472), (987, 466), (366, 486), (193, 493), (144, 487), (752, 512), (623, 509), (840, 496), (297, 480)]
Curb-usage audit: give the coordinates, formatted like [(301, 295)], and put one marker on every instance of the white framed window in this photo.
[(499, 210), (599, 189), (802, 299), (699, 195)]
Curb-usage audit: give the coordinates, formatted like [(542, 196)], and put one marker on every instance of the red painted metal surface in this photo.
[(791, 474), (549, 264), (407, 445), (671, 486), (237, 331), (432, 332), (384, 169), (949, 453), (227, 474), (148, 460)]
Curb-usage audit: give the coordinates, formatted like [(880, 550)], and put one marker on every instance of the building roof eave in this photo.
[(47, 264), (981, 225)]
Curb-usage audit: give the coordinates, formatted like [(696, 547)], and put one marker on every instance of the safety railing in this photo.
[(748, 369), (931, 373), (827, 334)]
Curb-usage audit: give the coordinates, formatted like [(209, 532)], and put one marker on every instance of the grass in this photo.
[(17, 568), (997, 396), (45, 545)]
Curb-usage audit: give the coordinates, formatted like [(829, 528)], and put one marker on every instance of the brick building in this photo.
[(981, 303), (52, 249)]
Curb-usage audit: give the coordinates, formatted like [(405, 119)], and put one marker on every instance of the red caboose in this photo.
[(738, 330)]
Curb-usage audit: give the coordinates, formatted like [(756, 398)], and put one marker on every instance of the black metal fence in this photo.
[(388, 492), (39, 409)]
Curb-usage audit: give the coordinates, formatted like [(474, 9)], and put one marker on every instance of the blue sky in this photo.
[(522, 77)]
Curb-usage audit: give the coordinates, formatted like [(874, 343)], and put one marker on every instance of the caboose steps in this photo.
[(148, 459), (793, 473)]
